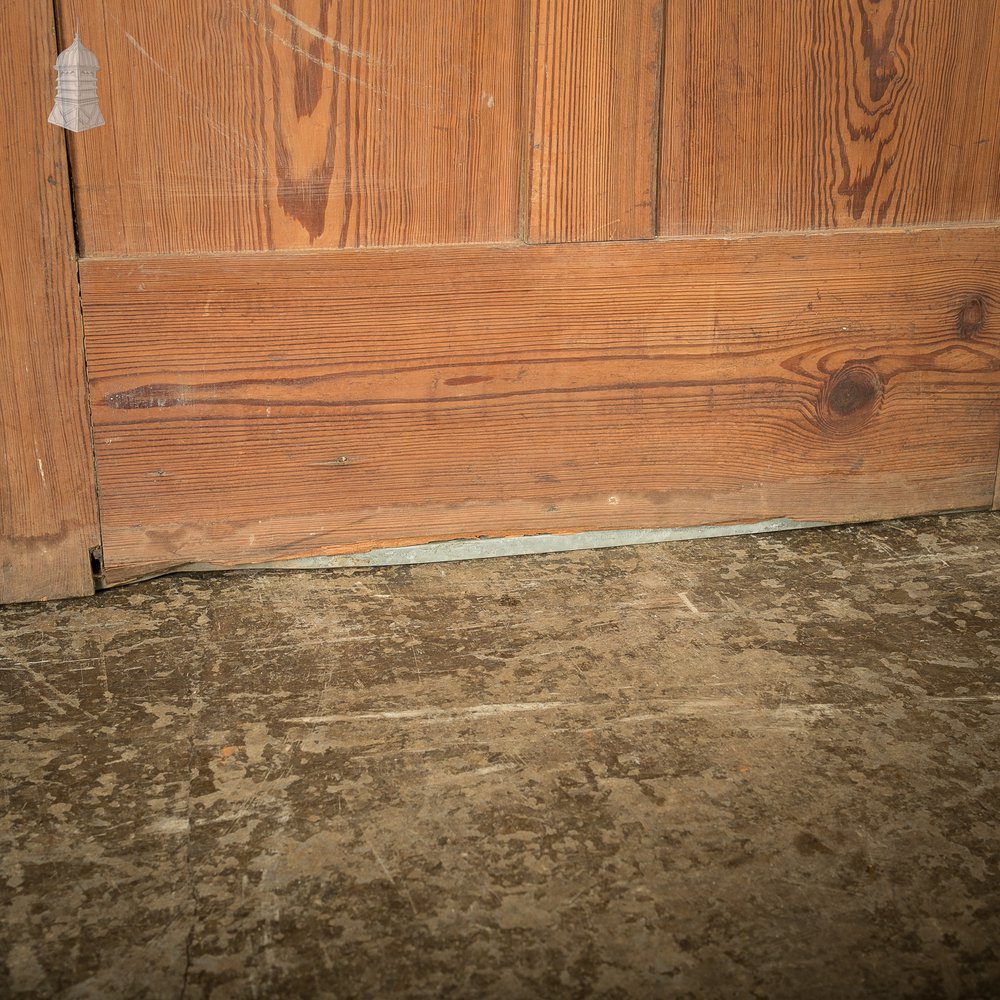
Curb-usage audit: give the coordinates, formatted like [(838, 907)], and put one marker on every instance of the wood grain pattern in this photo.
[(252, 125), (842, 113), (266, 406), (595, 120), (48, 513)]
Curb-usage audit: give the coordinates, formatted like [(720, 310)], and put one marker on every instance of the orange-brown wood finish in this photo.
[(272, 379), (805, 114), (48, 514), (595, 119), (259, 124), (260, 407), (254, 125)]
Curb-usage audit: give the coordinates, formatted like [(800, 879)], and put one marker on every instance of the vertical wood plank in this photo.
[(836, 114), (48, 509), (296, 124), (595, 119)]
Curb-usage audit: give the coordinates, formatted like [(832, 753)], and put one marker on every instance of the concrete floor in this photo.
[(759, 766)]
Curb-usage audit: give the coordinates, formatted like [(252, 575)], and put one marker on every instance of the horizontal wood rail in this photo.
[(252, 407)]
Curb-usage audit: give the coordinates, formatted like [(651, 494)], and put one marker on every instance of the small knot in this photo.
[(971, 318)]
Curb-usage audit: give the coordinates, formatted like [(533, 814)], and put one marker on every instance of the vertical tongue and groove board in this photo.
[(594, 130), (48, 512), (818, 114)]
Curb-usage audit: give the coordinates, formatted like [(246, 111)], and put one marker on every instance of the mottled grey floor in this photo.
[(759, 766)]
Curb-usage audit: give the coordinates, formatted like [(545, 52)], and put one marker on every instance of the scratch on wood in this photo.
[(316, 33), (298, 50), (135, 45), (209, 120)]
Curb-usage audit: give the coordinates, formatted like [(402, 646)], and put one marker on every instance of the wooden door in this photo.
[(360, 273)]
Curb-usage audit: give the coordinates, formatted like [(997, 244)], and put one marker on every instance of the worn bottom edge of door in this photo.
[(469, 549), (462, 549)]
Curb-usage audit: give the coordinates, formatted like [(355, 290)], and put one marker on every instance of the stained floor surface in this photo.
[(757, 766)]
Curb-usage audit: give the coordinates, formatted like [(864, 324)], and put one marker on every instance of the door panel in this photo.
[(595, 119), (318, 124), (48, 511), (815, 114), (302, 124), (260, 407)]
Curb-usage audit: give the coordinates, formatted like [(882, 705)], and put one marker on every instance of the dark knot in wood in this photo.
[(850, 398), (971, 317)]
